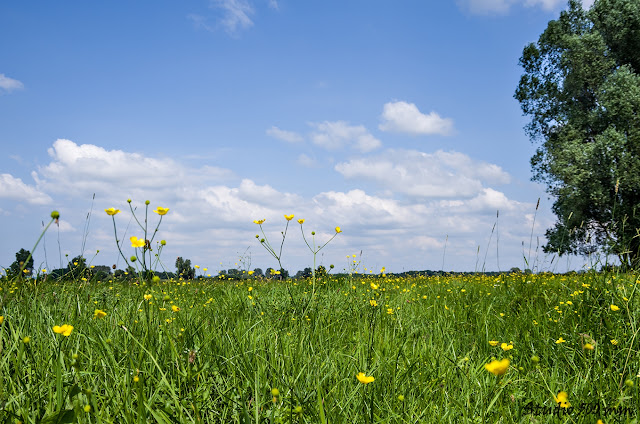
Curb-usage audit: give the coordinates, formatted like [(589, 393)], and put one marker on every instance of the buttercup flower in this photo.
[(301, 221), (562, 399), (259, 221), (493, 342), (136, 242), (288, 217), (560, 340), (338, 230), (161, 211), (614, 308), (506, 347), (174, 308), (497, 367), (112, 211), (364, 379), (98, 313), (65, 329)]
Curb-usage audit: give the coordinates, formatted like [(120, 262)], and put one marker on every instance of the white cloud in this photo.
[(200, 22), (425, 175), (16, 189), (405, 117), (9, 84), (236, 14), (501, 7), (211, 213), (85, 169), (306, 161), (339, 134), (288, 136)]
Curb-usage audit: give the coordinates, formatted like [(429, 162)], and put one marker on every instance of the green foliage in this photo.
[(184, 268), (23, 261), (581, 89)]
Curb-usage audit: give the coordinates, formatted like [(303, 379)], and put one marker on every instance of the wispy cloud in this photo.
[(288, 136), (236, 14), (9, 84), (405, 117), (200, 22), (339, 134), (502, 7)]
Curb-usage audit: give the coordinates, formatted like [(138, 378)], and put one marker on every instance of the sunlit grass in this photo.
[(214, 350)]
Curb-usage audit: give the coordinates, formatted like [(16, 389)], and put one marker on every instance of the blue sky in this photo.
[(393, 120)]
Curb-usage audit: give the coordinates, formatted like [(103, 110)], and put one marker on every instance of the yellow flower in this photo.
[(65, 329), (1, 319), (493, 342), (174, 308), (614, 308), (338, 230), (614, 342), (562, 399), (112, 211), (506, 347), (99, 313), (560, 340), (251, 272), (364, 379), (301, 221), (373, 303), (161, 211), (260, 221), (374, 286), (496, 367), (288, 217), (588, 346), (136, 242), (147, 297)]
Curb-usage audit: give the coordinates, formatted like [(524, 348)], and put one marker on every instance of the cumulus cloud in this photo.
[(425, 175), (288, 136), (16, 189), (9, 84), (405, 117), (211, 211), (339, 134), (86, 168)]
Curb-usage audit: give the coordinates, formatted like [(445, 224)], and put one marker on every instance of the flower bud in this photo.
[(146, 202), (133, 259), (55, 214)]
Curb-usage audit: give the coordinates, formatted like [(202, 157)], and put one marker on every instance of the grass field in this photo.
[(260, 351)]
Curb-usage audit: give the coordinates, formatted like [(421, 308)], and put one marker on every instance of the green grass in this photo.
[(217, 359)]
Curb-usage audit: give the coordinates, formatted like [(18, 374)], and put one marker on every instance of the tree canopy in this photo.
[(581, 90)]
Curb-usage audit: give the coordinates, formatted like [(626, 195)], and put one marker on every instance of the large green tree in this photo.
[(581, 91)]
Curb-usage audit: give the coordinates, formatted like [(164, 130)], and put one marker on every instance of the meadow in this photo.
[(351, 348)]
